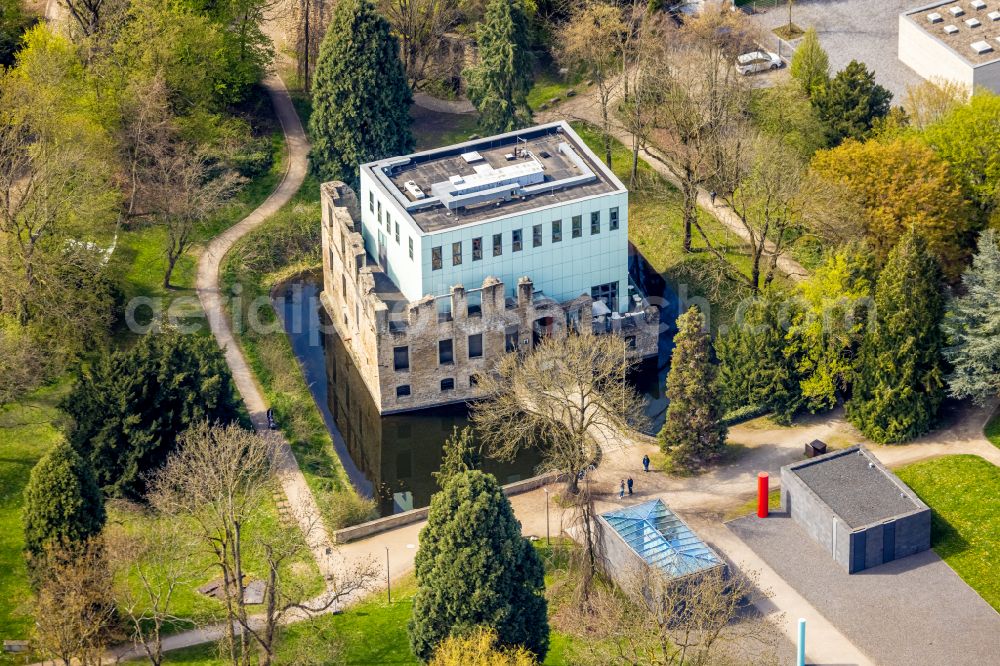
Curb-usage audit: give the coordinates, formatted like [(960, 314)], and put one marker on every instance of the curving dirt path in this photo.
[(302, 503)]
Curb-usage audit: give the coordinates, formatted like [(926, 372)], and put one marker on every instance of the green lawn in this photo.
[(195, 608), (992, 429), (548, 86), (140, 257), (656, 230), (371, 633), (270, 354), (964, 493), (27, 430)]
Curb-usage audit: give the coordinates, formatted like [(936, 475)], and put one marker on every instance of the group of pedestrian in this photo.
[(626, 484)]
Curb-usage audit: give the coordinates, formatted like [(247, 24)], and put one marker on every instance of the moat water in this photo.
[(392, 458)]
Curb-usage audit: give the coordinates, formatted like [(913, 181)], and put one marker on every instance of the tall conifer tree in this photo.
[(498, 85), (693, 432), (475, 569), (63, 506), (361, 100), (900, 381), (973, 326)]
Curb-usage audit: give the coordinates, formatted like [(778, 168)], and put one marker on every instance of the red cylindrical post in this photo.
[(762, 492)]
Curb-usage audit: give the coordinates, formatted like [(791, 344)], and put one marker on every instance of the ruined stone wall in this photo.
[(372, 332)]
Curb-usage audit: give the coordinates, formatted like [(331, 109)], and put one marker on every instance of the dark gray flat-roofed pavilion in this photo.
[(855, 508), (856, 489)]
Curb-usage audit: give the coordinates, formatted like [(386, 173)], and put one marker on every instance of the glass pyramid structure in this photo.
[(662, 539)]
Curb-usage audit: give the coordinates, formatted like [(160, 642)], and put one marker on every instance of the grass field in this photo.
[(140, 257), (548, 86), (370, 633), (964, 493), (27, 430), (992, 429)]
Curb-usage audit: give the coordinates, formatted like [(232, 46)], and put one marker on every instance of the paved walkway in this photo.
[(302, 504), (585, 106)]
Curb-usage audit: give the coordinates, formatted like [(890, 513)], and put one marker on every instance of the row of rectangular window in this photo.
[(437, 261), (376, 207), (447, 384), (446, 352)]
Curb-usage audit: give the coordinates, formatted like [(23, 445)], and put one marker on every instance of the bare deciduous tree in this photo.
[(701, 95), (556, 398), (697, 620), (929, 101), (220, 477), (152, 565), (760, 179), (591, 43), (420, 25), (183, 185), (75, 612), (312, 18)]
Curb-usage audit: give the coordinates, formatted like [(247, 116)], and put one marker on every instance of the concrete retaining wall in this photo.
[(379, 525)]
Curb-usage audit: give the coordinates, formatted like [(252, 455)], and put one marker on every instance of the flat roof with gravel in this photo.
[(970, 28), (857, 487)]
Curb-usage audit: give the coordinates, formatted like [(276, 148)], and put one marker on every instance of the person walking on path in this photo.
[(711, 196), (630, 485), (645, 463), (621, 490)]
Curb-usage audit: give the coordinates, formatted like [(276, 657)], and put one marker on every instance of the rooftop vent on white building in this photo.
[(973, 22), (934, 17), (956, 10), (981, 47), (994, 16), (978, 4), (950, 29)]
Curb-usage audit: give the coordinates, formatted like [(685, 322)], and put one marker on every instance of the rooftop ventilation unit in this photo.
[(934, 17), (950, 29), (973, 22), (414, 189), (981, 47), (994, 16), (978, 4), (956, 10), (471, 156)]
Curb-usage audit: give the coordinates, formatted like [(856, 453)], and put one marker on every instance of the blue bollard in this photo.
[(802, 642)]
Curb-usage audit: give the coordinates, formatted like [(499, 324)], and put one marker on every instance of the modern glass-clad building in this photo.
[(536, 202)]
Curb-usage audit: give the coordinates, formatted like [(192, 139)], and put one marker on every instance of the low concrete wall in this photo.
[(379, 525)]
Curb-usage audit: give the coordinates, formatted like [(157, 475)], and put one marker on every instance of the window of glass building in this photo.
[(497, 245), (577, 226), (456, 254), (613, 216), (515, 240), (436, 258), (556, 231), (595, 222), (477, 249)]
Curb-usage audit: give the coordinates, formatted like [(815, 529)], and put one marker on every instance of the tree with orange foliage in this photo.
[(903, 184)]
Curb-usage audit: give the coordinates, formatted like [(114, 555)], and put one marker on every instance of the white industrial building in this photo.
[(954, 41), (536, 202)]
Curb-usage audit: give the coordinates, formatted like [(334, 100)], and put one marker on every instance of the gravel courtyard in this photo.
[(862, 30), (912, 612)]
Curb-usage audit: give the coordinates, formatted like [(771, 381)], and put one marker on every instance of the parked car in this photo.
[(757, 61)]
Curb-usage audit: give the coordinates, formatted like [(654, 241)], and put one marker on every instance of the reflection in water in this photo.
[(392, 457), (388, 457), (399, 452)]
